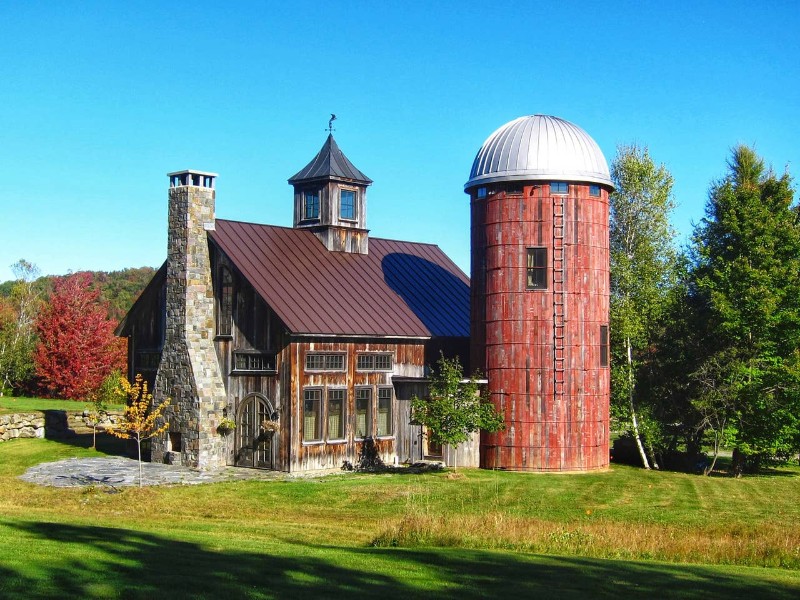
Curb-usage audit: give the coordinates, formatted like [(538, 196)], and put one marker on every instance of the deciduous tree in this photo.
[(143, 419), (454, 407), (17, 327), (77, 348), (643, 263)]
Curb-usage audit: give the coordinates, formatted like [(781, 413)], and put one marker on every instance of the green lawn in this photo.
[(476, 534), (12, 404)]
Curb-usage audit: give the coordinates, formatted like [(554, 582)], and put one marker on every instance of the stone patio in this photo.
[(117, 471)]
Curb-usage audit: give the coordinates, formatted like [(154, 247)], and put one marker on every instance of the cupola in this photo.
[(330, 199)]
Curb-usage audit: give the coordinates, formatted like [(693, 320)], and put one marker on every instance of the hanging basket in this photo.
[(267, 425), (226, 426)]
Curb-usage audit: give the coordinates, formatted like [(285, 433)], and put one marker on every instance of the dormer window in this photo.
[(347, 205), (311, 204)]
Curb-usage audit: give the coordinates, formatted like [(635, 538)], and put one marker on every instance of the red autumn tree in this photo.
[(77, 348)]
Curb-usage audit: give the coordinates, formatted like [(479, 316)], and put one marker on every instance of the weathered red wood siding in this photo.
[(546, 379)]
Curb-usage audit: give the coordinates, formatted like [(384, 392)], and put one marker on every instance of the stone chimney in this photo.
[(189, 373)]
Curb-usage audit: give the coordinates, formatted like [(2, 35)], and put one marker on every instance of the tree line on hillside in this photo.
[(56, 333), (706, 339)]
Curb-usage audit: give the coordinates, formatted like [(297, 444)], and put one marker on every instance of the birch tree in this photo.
[(17, 327), (643, 263)]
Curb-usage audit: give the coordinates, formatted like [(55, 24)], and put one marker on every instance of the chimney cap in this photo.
[(192, 172)]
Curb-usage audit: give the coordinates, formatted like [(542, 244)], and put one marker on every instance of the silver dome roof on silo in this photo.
[(539, 148)]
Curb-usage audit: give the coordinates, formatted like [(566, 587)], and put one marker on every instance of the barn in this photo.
[(311, 340)]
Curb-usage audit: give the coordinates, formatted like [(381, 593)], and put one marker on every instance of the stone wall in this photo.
[(51, 424)]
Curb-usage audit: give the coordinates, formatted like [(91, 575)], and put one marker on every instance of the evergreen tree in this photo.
[(746, 280), (643, 263)]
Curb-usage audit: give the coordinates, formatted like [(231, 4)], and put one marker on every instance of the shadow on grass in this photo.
[(106, 444), (98, 562)]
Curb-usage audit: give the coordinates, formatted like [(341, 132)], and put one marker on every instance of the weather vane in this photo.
[(330, 128)]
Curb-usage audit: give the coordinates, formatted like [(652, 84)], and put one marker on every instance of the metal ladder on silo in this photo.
[(559, 299)]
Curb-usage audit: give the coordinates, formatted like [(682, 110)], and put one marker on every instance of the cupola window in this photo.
[(347, 204), (311, 205)]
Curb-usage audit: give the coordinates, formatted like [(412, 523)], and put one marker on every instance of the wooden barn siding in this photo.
[(148, 329), (256, 327), (312, 456), (517, 342)]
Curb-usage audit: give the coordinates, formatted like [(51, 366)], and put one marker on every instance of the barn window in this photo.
[(537, 269), (147, 360), (347, 204), (363, 412), (384, 411), (559, 187), (603, 345), (254, 362), (594, 190), (312, 418), (324, 361), (374, 361), (225, 309), (481, 193), (337, 400), (311, 205)]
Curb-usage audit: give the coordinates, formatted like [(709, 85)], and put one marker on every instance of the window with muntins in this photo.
[(347, 204), (363, 412), (384, 411), (225, 312), (311, 205), (374, 361), (559, 187), (536, 269), (337, 400), (324, 361), (312, 418), (254, 362)]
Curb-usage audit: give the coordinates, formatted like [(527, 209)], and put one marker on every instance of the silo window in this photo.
[(603, 345), (481, 192), (594, 190), (559, 187), (537, 269), (311, 205)]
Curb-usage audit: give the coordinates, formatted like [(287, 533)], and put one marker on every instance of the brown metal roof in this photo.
[(330, 162), (399, 289)]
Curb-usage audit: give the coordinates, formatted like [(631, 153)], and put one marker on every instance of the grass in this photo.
[(477, 534), (13, 404)]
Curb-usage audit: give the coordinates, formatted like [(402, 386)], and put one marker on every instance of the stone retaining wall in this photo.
[(51, 424)]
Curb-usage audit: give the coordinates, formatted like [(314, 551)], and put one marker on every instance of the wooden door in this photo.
[(253, 443)]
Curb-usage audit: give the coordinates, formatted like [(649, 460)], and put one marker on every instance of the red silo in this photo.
[(540, 294)]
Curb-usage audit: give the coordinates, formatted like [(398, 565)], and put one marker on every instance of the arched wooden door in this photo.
[(253, 442)]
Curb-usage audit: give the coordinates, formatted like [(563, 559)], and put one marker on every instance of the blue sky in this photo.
[(98, 101)]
